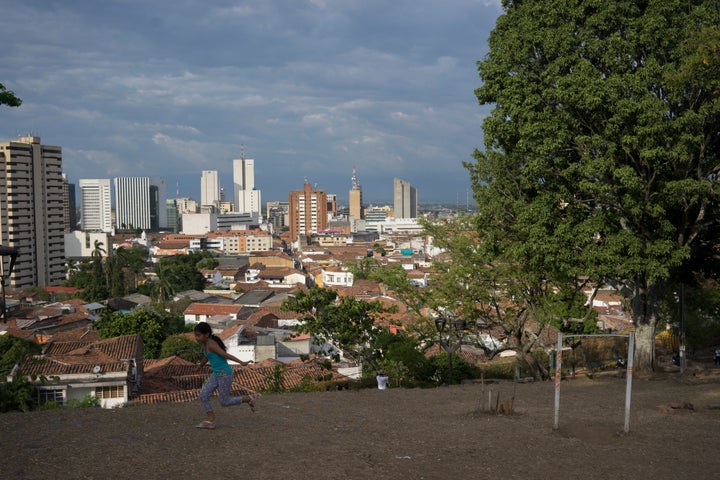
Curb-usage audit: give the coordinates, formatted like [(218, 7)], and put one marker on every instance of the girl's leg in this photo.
[(224, 384), (206, 393)]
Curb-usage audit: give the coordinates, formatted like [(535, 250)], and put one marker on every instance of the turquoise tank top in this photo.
[(220, 365)]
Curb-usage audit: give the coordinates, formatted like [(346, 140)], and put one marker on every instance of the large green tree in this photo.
[(601, 152), (345, 323), (153, 327)]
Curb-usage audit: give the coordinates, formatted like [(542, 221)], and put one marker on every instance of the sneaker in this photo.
[(252, 402), (207, 424)]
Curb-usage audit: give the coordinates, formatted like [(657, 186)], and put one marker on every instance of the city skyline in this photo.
[(310, 88)]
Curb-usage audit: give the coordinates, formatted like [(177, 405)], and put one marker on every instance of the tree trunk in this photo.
[(645, 315)]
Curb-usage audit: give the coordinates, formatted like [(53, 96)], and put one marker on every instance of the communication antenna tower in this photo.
[(355, 181)]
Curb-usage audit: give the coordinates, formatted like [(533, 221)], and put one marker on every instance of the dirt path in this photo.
[(391, 434)]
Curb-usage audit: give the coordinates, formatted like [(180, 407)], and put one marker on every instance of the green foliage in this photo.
[(601, 151), (40, 291), (275, 379), (207, 262), (18, 394), (8, 97), (402, 359), (180, 273), (13, 350), (346, 323), (702, 312), (154, 328), (461, 369), (504, 368), (183, 347), (365, 267), (86, 402)]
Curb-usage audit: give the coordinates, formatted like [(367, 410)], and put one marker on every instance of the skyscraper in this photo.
[(69, 206), (405, 199), (308, 211), (31, 211), (247, 198), (95, 207), (132, 203), (209, 188), (158, 212), (356, 210)]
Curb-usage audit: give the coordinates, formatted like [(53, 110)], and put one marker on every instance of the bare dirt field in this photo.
[(387, 434)]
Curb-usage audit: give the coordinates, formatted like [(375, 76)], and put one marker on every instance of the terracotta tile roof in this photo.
[(81, 356), (278, 272), (57, 289), (275, 311), (52, 366), (182, 383), (212, 309), (87, 335)]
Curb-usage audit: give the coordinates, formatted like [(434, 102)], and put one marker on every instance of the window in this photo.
[(113, 391), (56, 395)]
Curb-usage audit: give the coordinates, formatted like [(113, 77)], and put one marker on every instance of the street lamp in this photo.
[(450, 339), (12, 253)]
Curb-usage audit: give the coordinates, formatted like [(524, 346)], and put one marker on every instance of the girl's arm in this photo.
[(214, 347)]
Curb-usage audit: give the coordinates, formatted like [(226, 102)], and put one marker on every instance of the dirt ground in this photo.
[(436, 433)]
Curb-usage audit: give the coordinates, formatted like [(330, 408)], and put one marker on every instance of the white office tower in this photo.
[(132, 203), (247, 198), (31, 212), (95, 205), (209, 188)]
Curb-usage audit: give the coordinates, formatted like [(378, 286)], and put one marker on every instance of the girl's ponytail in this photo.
[(219, 342)]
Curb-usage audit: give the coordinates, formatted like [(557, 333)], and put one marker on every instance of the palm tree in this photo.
[(97, 256), (164, 289)]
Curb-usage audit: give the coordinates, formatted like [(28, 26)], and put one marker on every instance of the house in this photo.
[(54, 317), (109, 370), (282, 275), (128, 302), (203, 312), (335, 276)]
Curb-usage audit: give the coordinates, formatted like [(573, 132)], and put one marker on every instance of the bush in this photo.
[(501, 368), (87, 401), (19, 394)]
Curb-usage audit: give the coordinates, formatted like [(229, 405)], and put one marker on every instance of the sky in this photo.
[(309, 89)]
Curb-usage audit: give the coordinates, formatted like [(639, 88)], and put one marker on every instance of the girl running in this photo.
[(221, 380)]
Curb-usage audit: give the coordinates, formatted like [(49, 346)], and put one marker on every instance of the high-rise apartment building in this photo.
[(308, 211), (247, 197), (31, 211), (69, 205), (405, 199), (95, 205), (209, 188), (132, 203), (277, 214), (356, 209)]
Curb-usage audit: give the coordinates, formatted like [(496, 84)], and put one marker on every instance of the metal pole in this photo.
[(682, 328), (558, 375), (628, 386)]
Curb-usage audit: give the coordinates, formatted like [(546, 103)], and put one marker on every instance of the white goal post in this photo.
[(628, 376)]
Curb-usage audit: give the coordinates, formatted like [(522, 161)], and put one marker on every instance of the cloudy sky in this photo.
[(310, 88)]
